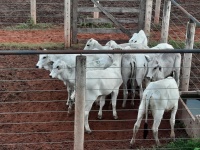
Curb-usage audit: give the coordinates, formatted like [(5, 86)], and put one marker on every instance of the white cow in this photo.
[(46, 60), (159, 46), (103, 82), (137, 41), (94, 61), (163, 65), (134, 67), (98, 83), (93, 44), (163, 46), (159, 96), (113, 45), (139, 38)]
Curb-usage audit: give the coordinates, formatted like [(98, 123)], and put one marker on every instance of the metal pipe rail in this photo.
[(185, 12), (32, 52)]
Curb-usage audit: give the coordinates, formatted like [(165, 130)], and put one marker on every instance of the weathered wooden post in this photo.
[(79, 103), (157, 12), (96, 14), (148, 14), (67, 23), (141, 15), (187, 59), (74, 21), (165, 21), (33, 11)]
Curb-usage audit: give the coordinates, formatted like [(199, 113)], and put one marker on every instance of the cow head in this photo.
[(113, 45), (44, 62), (154, 70), (60, 70), (90, 44), (139, 38)]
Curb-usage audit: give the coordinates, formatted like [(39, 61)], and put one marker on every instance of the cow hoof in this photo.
[(99, 117), (123, 105), (115, 117), (88, 131), (131, 146)]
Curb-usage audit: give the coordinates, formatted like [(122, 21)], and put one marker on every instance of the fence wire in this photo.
[(177, 33), (34, 114)]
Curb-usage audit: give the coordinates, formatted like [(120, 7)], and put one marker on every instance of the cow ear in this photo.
[(147, 58), (69, 68)]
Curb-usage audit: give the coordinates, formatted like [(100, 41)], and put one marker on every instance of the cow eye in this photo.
[(88, 45), (44, 57), (135, 41), (58, 67), (51, 62), (144, 65), (155, 68)]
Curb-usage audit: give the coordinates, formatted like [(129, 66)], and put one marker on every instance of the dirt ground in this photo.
[(33, 114)]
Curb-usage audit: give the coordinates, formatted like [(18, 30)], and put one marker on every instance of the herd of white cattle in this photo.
[(107, 72)]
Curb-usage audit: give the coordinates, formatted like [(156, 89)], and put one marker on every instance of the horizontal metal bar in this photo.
[(70, 51), (190, 94)]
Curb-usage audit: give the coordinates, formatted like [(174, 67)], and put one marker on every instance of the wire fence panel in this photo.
[(177, 33), (34, 113)]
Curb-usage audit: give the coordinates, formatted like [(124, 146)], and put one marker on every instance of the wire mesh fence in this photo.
[(33, 106), (177, 33), (34, 114)]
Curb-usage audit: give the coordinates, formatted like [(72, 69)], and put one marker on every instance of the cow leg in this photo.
[(114, 95), (125, 94), (157, 114), (133, 87), (71, 98), (68, 95), (102, 103), (141, 92), (172, 122), (137, 125), (90, 98)]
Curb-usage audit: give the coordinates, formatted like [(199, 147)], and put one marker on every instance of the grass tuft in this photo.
[(30, 25)]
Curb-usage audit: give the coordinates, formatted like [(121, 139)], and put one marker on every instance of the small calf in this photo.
[(159, 96)]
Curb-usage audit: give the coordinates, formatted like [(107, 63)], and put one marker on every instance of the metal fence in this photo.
[(34, 114), (33, 106)]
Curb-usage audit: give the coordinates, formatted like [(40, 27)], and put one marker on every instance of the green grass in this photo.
[(27, 46), (192, 144), (29, 24), (39, 46), (175, 44), (95, 25)]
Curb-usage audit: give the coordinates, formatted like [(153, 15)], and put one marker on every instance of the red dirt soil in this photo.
[(33, 110)]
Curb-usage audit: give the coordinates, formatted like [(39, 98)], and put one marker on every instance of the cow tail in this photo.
[(146, 116), (132, 76)]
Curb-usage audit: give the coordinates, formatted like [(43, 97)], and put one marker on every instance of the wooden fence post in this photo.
[(157, 12), (80, 103), (96, 14), (67, 23), (165, 21), (148, 14), (141, 15), (33, 10), (187, 59), (74, 21)]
